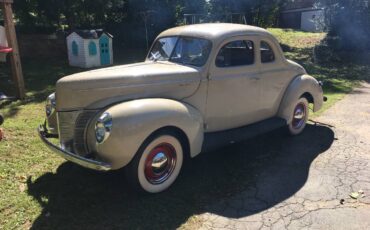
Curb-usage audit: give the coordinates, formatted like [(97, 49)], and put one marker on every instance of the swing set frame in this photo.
[(13, 50)]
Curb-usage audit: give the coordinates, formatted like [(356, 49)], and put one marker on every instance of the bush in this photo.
[(328, 51), (349, 25), (348, 36)]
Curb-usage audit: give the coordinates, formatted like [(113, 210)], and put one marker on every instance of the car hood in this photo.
[(98, 88)]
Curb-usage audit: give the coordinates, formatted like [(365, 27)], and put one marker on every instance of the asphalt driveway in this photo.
[(286, 196), (269, 182)]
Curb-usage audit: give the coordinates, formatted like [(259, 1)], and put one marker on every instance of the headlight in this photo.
[(50, 104), (103, 127)]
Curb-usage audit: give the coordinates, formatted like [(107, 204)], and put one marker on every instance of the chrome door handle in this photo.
[(255, 78)]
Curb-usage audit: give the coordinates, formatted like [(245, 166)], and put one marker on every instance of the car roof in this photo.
[(214, 31)]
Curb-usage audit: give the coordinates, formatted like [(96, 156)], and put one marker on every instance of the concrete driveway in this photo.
[(322, 199)]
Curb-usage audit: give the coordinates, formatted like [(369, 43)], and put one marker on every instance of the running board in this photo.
[(215, 140)]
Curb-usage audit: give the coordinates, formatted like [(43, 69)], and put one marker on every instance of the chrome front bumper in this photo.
[(85, 162)]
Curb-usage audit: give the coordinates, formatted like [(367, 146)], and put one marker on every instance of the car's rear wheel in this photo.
[(300, 117), (157, 163)]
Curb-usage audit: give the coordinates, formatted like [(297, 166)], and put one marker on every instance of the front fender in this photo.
[(299, 86), (134, 121)]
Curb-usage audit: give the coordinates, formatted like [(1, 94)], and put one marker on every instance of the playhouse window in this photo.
[(92, 48), (74, 48)]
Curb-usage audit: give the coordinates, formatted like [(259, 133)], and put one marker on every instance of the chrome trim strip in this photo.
[(85, 162), (125, 86)]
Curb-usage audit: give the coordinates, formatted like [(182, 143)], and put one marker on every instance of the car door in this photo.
[(274, 76), (233, 85)]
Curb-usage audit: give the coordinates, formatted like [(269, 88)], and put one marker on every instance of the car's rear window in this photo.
[(267, 53)]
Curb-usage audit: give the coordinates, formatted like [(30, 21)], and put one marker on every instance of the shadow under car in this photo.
[(270, 168)]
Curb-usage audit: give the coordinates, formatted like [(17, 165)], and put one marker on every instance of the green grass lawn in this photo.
[(338, 78), (39, 189)]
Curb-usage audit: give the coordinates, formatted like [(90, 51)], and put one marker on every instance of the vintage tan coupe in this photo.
[(201, 87)]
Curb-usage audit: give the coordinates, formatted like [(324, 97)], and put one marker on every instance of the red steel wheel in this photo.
[(300, 115), (160, 163), (157, 163)]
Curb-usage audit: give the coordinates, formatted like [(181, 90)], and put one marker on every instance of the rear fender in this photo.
[(298, 87)]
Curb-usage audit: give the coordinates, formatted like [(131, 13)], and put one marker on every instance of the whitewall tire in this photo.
[(300, 117), (157, 163)]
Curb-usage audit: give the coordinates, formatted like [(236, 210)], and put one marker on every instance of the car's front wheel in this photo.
[(300, 117), (157, 163)]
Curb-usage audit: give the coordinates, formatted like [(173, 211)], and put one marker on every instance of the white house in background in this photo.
[(90, 48), (313, 20), (303, 15)]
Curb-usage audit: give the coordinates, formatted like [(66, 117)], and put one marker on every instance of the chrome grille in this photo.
[(66, 124), (81, 124)]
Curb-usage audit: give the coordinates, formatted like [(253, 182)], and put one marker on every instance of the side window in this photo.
[(267, 54), (74, 48), (236, 53), (92, 48)]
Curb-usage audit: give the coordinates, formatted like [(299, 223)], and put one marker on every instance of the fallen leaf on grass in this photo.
[(21, 178), (22, 187), (27, 225)]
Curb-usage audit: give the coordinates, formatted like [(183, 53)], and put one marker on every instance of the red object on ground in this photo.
[(4, 49)]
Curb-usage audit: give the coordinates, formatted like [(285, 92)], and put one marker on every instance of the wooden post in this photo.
[(12, 42)]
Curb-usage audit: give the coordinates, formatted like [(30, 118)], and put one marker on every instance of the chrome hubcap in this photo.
[(160, 163), (299, 116)]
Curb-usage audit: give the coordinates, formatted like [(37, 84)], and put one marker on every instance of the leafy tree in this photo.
[(71, 13), (258, 12), (128, 20), (190, 7), (349, 24)]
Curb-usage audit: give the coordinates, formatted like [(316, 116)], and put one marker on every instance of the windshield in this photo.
[(182, 50)]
